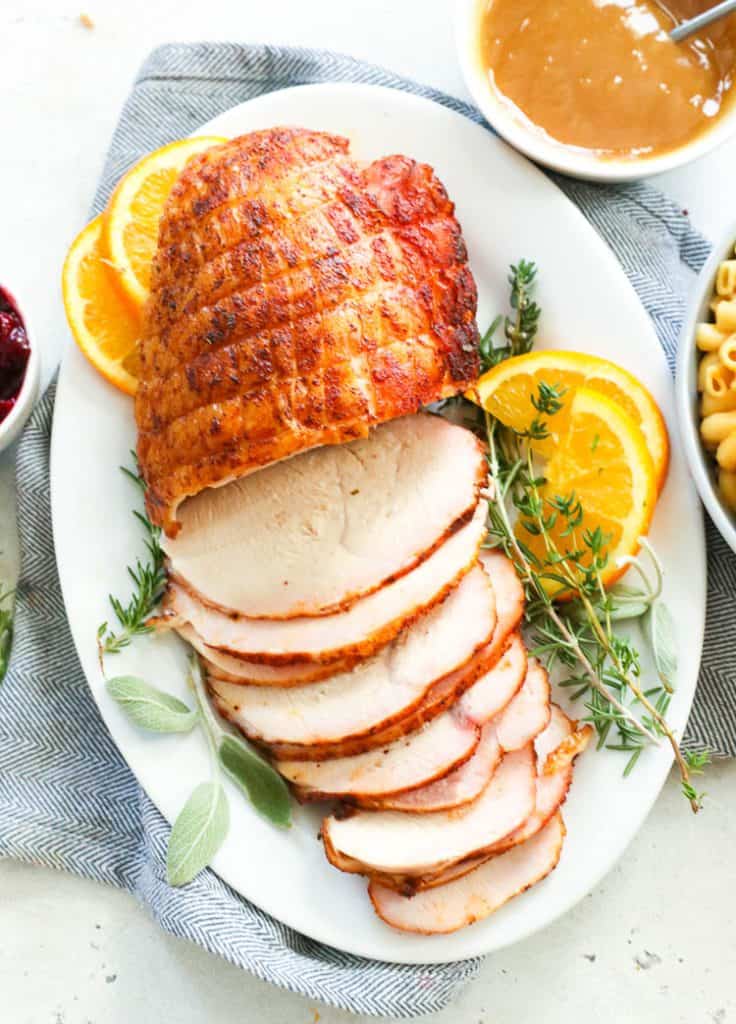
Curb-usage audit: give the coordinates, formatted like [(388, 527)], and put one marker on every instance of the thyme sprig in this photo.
[(577, 635), (149, 581), (520, 329)]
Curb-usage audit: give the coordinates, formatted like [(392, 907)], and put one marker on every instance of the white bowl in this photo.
[(544, 150), (12, 425), (701, 463)]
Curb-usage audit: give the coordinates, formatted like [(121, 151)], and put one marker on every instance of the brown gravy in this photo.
[(603, 74)]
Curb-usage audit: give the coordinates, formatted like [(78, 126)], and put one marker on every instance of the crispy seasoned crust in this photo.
[(297, 299)]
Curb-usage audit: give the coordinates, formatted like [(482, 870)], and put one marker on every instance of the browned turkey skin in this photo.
[(297, 299)]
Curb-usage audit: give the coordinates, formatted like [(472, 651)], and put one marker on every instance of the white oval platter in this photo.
[(508, 210)]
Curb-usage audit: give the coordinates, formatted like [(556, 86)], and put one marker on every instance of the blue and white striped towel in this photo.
[(67, 799)]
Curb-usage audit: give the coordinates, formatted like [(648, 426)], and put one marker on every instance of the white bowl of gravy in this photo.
[(596, 88)]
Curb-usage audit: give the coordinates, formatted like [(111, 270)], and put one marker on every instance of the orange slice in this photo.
[(133, 213), (102, 322), (603, 459), (507, 389)]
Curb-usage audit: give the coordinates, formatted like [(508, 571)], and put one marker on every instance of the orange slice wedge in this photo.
[(603, 460), (101, 320), (133, 213), (506, 392)]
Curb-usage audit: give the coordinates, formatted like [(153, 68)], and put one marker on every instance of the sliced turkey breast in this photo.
[(406, 769), (528, 713), (254, 673), (413, 761), (350, 708), (458, 787), (361, 630), (523, 717), (476, 895), (494, 692), (503, 574), (496, 689), (415, 844), (555, 749), (364, 513)]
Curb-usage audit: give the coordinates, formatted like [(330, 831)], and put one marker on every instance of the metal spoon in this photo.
[(687, 28)]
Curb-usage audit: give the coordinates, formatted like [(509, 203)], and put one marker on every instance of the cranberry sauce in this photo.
[(14, 353)]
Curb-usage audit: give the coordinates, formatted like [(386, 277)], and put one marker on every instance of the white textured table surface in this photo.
[(657, 941)]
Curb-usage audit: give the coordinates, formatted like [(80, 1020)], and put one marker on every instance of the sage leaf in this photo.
[(198, 833), (630, 610), (262, 784), (660, 629), (150, 708)]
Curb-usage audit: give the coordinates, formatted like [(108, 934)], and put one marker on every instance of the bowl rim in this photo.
[(554, 155), (12, 425), (686, 395)]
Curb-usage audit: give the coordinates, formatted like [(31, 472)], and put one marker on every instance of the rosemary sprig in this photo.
[(149, 580), (577, 635)]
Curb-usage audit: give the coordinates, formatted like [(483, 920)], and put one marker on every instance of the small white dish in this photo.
[(531, 141), (13, 423), (701, 463)]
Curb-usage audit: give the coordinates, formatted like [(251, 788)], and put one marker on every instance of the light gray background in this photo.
[(657, 941)]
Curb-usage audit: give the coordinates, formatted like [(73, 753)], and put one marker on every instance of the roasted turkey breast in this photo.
[(312, 534), (297, 298)]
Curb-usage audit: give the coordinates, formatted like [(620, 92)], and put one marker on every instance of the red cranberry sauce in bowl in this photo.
[(14, 353)]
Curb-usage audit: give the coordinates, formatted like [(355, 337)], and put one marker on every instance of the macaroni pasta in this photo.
[(717, 380)]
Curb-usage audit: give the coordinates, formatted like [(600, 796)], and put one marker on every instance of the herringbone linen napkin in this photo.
[(67, 799)]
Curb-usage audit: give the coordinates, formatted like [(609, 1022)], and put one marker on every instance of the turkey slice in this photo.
[(239, 670), (556, 748), (525, 716), (528, 713), (402, 774), (455, 789), (497, 688), (415, 844), (416, 759), (476, 895), (365, 513), (361, 630), (299, 722), (492, 696)]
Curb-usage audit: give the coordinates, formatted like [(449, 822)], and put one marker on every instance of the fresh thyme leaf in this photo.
[(660, 631), (519, 330), (263, 786), (578, 635), (198, 833), (522, 329), (150, 708), (486, 347), (6, 630), (149, 580)]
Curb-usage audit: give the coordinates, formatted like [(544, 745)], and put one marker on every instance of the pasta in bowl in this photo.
[(706, 387)]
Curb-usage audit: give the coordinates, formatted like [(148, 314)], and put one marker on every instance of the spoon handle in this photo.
[(687, 28)]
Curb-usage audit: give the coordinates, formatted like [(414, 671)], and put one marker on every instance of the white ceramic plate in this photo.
[(508, 210)]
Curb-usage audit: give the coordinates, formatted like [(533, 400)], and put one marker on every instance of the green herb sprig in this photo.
[(520, 329), (149, 582), (203, 822), (579, 636), (6, 629)]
